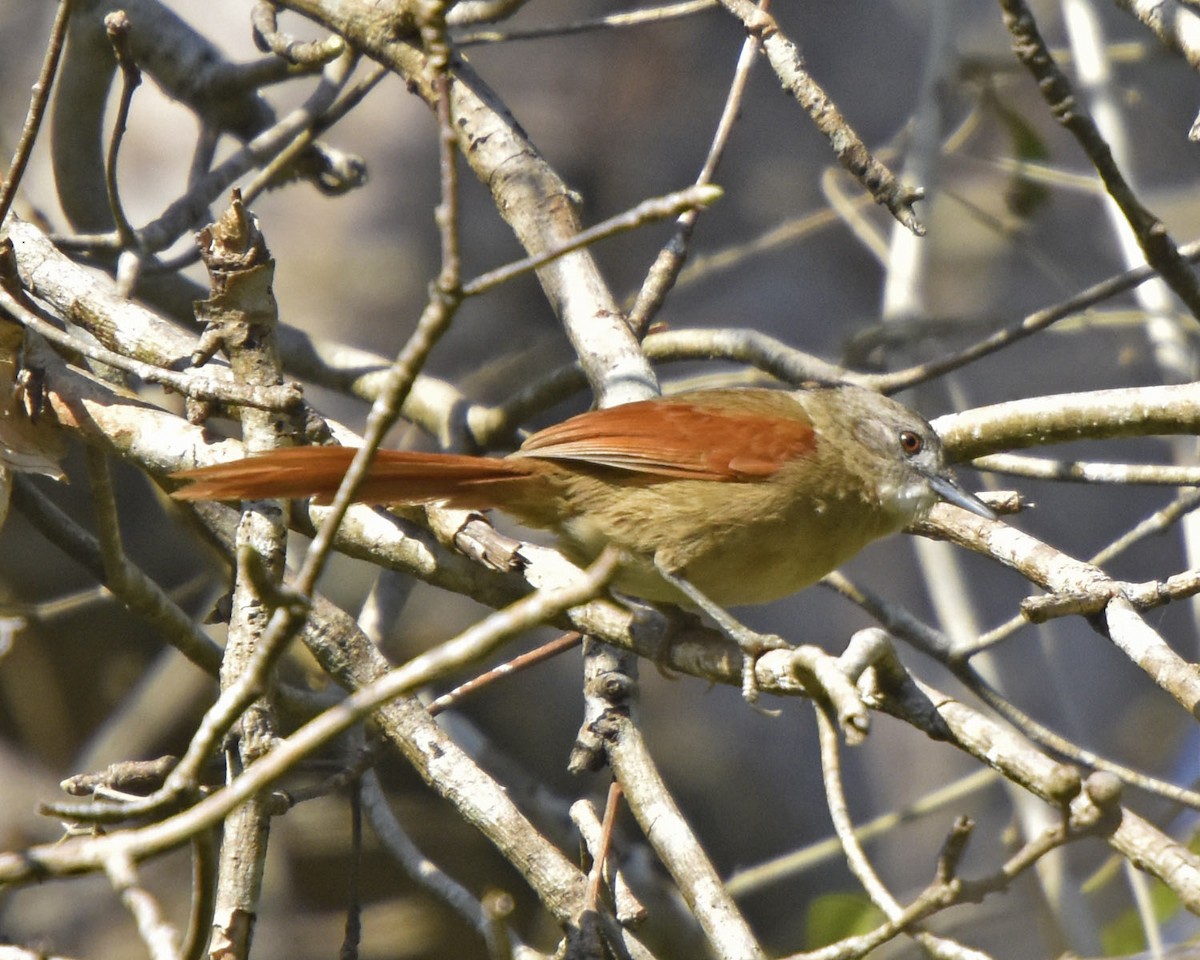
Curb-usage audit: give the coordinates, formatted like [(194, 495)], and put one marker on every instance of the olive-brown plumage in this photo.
[(748, 494)]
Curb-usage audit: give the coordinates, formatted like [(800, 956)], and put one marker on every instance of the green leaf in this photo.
[(1023, 196), (838, 915)]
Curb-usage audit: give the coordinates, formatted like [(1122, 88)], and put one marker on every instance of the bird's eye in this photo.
[(911, 442)]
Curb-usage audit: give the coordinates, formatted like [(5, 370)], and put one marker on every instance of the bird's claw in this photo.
[(753, 645)]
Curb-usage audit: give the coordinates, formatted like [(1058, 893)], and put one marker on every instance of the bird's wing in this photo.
[(677, 438)]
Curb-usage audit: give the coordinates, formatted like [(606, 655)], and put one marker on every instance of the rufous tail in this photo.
[(395, 477)]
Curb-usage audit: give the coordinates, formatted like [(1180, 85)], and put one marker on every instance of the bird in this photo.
[(715, 498)]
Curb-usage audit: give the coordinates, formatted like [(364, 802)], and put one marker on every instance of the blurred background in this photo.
[(624, 115)]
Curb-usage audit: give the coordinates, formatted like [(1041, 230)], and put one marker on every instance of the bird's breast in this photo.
[(739, 543)]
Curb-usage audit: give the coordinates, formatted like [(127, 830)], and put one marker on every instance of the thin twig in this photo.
[(1033, 323), (204, 885), (633, 18), (727, 932), (920, 635), (527, 192), (269, 39), (278, 397), (89, 853), (1175, 24), (747, 881), (546, 651), (603, 849), (39, 97), (1060, 785), (116, 25), (401, 848), (856, 857), (1152, 234), (648, 211), (851, 151), (663, 273), (275, 171), (1155, 524), (446, 295), (183, 213), (160, 937), (1078, 471), (1057, 572), (104, 502), (242, 315), (134, 588)]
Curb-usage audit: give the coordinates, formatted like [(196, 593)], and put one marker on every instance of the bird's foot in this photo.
[(753, 645), (651, 628)]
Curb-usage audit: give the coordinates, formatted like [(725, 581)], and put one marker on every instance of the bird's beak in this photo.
[(948, 488)]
